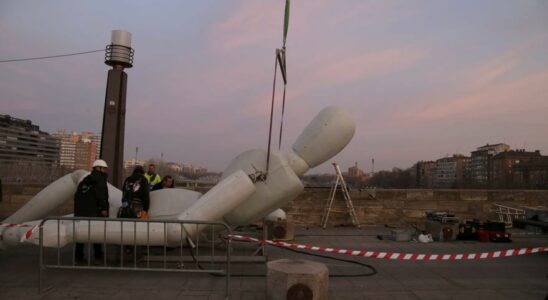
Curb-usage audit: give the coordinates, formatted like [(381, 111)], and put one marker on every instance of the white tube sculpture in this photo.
[(236, 199)]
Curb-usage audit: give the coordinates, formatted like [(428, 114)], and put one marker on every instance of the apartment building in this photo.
[(450, 172), (78, 150), (480, 163), (24, 143)]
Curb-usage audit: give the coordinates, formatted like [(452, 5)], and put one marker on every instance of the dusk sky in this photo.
[(422, 79)]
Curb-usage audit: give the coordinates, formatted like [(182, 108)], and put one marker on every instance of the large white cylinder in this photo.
[(49, 199), (325, 136), (167, 204), (228, 195), (117, 232), (57, 194), (59, 234)]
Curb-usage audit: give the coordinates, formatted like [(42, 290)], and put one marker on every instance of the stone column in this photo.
[(297, 279)]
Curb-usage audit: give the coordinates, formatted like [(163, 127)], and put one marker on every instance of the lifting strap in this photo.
[(271, 114), (279, 60)]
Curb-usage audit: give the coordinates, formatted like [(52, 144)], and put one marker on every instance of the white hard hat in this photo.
[(99, 163)]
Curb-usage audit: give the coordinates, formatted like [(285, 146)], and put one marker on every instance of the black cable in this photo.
[(373, 269), (52, 56), (271, 113), (282, 121)]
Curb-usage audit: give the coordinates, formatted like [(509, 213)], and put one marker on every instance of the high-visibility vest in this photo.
[(153, 181)]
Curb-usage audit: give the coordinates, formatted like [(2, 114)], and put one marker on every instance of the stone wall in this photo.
[(380, 206), (398, 206)]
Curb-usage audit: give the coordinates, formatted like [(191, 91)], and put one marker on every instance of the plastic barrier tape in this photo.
[(28, 233), (396, 255)]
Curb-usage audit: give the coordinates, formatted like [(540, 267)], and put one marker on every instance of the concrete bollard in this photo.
[(280, 230), (296, 279)]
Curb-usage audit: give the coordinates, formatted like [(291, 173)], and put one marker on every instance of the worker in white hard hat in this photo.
[(99, 163), (91, 200)]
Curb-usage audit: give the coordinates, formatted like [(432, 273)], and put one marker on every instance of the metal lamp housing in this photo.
[(119, 52)]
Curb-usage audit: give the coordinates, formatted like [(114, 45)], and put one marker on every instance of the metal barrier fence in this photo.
[(124, 244)]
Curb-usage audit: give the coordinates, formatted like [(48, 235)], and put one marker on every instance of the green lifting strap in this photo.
[(286, 20)]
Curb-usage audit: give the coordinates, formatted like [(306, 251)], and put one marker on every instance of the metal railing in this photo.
[(508, 214), (167, 263)]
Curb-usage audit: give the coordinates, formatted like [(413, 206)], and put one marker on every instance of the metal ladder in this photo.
[(348, 201)]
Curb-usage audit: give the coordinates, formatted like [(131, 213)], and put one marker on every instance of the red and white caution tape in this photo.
[(28, 233), (9, 225), (396, 255)]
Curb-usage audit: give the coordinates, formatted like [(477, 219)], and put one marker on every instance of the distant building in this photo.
[(131, 163), (85, 155), (531, 174), (68, 153), (355, 177), (356, 172), (67, 148), (503, 164), (210, 178), (424, 173), (93, 137), (200, 171), (495, 148), (23, 142), (450, 171), (187, 168), (480, 163), (174, 167)]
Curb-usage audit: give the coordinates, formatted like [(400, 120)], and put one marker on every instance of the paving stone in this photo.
[(522, 277)]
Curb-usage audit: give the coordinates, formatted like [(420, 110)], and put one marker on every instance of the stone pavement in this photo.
[(521, 277)]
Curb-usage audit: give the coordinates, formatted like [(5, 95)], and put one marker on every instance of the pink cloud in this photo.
[(360, 66), (251, 23), (258, 23), (510, 97), (353, 66), (488, 89), (495, 69)]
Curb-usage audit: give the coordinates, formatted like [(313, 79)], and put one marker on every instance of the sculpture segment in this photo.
[(241, 197)]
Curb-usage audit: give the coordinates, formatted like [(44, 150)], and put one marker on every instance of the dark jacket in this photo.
[(160, 186), (91, 196), (135, 190)]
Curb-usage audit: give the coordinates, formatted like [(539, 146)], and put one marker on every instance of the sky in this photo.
[(421, 79)]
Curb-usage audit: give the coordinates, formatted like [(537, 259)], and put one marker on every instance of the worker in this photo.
[(167, 182), (91, 200), (136, 194), (152, 177)]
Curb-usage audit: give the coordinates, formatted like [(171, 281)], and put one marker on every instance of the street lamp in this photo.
[(119, 55)]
